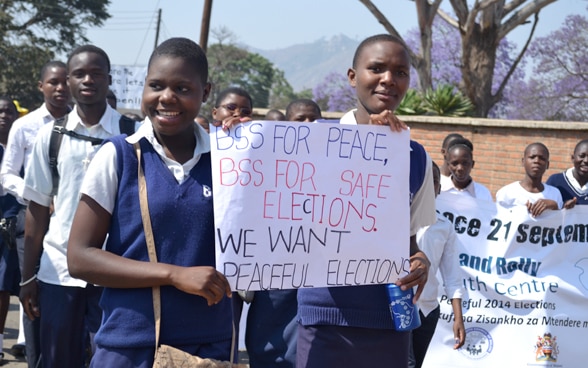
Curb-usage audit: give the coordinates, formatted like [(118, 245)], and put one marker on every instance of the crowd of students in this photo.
[(79, 255)]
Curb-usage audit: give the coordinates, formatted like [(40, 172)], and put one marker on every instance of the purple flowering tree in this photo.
[(482, 27), (558, 87), (334, 93), (446, 59)]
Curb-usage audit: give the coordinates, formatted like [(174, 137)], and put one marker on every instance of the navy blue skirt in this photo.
[(9, 270), (341, 346)]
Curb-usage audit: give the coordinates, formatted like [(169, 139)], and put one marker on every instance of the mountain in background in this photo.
[(306, 65)]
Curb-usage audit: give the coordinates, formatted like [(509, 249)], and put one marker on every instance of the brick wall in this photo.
[(498, 144)]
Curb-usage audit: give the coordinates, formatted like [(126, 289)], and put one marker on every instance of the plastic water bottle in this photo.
[(404, 313)]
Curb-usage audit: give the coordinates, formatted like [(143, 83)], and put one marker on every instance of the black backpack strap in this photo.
[(126, 125), (54, 145)]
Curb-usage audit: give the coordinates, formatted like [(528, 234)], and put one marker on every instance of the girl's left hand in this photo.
[(419, 272)]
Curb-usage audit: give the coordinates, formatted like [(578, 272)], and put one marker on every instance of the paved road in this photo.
[(11, 333)]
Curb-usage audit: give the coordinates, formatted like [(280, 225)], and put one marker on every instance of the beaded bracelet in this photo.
[(23, 283)]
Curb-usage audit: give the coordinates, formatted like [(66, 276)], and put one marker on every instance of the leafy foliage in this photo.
[(32, 31), (443, 101), (411, 104)]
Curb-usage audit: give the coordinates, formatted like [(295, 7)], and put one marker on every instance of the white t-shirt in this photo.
[(514, 194), (474, 189)]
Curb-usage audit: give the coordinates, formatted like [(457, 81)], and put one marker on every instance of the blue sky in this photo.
[(129, 36)]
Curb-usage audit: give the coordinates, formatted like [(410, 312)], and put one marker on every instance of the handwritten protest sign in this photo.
[(527, 283), (310, 205), (127, 85)]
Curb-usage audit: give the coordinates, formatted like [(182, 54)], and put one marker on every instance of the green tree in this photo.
[(232, 66), (32, 32)]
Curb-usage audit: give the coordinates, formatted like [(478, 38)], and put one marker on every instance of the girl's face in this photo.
[(232, 105), (460, 163), (381, 78), (173, 94)]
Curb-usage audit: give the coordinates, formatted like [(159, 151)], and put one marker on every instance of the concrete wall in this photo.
[(498, 144)]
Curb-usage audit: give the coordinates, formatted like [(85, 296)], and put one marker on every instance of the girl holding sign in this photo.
[(352, 326), (174, 155)]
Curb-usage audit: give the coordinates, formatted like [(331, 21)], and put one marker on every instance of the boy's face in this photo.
[(8, 115), (381, 78), (88, 78), (460, 163), (535, 162), (232, 105), (173, 94), (580, 161), (54, 87), (304, 113)]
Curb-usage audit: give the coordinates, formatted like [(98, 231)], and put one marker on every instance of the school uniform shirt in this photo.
[(474, 189), (74, 157), (103, 188), (440, 244), (569, 187), (514, 194), (19, 149)]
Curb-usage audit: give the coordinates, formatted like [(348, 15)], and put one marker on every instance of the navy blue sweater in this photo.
[(357, 306), (183, 229)]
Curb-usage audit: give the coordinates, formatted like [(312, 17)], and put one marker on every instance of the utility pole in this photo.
[(205, 26), (157, 29)]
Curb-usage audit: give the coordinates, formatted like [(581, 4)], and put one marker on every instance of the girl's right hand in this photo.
[(387, 117), (205, 281)]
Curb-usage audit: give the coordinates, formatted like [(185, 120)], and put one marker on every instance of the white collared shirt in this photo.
[(19, 148), (440, 244), (581, 190), (73, 159), (474, 189), (101, 181)]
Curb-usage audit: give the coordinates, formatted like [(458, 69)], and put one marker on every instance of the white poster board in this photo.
[(127, 85), (310, 205)]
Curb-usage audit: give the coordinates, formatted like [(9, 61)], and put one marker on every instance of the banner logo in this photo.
[(546, 348), (478, 343)]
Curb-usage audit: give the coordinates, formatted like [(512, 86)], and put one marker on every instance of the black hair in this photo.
[(51, 64), (10, 102), (90, 48), (436, 168), (461, 141), (302, 102), (280, 115), (232, 91), (583, 141), (374, 39), (186, 49), (464, 146), (450, 137), (539, 144)]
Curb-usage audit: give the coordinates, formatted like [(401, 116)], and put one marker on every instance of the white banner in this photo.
[(310, 205), (527, 284), (127, 85)]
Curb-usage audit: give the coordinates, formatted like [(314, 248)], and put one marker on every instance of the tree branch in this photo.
[(521, 15), (384, 22), (513, 67)]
